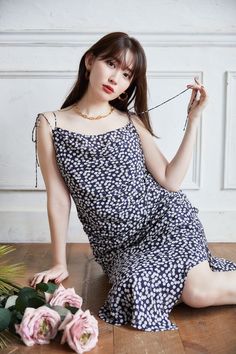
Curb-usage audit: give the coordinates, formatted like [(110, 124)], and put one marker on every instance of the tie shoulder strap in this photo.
[(35, 139)]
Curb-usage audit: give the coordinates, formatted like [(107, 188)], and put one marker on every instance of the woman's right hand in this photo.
[(57, 273)]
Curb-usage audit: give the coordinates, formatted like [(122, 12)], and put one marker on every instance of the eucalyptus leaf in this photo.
[(62, 311), (42, 287), (48, 305), (5, 318), (16, 318), (47, 287), (72, 309), (23, 298), (11, 301), (35, 302), (27, 290)]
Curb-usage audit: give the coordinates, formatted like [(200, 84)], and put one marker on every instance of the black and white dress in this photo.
[(145, 237)]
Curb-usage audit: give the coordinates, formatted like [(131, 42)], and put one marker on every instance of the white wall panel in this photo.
[(41, 43), (230, 132)]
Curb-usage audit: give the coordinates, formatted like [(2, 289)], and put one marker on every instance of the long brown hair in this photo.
[(114, 45)]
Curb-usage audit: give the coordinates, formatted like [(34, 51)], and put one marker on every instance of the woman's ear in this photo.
[(89, 59)]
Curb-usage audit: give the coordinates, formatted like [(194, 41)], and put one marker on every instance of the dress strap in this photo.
[(55, 119), (129, 114), (35, 139)]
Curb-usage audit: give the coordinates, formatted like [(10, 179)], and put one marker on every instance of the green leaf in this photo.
[(47, 287), (42, 287), (24, 296), (3, 300), (62, 311), (11, 301), (15, 319), (19, 315), (5, 318), (35, 302), (27, 290), (72, 309), (48, 305)]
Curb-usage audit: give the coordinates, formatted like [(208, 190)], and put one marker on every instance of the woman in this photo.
[(142, 228)]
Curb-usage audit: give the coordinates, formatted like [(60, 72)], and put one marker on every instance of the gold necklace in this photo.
[(97, 117)]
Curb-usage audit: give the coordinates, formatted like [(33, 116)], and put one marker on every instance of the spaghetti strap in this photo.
[(55, 119), (35, 140), (128, 114)]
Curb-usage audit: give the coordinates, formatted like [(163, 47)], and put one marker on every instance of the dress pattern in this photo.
[(145, 237)]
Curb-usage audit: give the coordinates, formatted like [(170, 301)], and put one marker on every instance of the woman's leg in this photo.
[(203, 287)]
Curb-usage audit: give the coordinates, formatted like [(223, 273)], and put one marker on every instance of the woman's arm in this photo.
[(58, 217), (171, 174), (58, 203), (178, 166)]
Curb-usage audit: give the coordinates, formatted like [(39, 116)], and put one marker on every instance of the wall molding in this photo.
[(33, 74), (69, 74), (68, 38), (230, 134), (195, 182)]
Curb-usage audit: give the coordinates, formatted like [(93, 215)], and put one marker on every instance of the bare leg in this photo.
[(203, 287), (225, 283)]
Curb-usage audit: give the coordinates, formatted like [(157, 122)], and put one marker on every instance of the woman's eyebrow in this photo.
[(130, 70), (119, 62)]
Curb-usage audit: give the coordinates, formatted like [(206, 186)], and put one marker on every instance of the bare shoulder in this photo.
[(139, 125), (46, 118), (136, 120)]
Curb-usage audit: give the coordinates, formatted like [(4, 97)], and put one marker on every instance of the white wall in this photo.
[(41, 43)]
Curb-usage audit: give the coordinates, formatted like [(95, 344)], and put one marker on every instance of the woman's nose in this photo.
[(114, 78), (113, 81)]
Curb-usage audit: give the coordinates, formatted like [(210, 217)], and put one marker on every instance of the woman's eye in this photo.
[(110, 62)]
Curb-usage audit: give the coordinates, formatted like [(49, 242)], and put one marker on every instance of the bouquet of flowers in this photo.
[(37, 315)]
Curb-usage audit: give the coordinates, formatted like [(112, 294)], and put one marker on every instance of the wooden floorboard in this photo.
[(209, 330)]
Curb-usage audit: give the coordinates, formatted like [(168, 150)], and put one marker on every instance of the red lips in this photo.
[(109, 88)]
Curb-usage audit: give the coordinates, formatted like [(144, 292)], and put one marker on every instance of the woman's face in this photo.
[(109, 72)]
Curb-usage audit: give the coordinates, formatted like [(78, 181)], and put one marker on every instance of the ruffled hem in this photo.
[(105, 315)]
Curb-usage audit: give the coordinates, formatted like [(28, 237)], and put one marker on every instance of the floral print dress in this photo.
[(145, 237)]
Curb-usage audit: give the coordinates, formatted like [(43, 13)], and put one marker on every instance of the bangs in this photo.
[(134, 66)]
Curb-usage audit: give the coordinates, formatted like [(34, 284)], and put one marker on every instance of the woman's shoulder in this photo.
[(136, 120), (47, 116)]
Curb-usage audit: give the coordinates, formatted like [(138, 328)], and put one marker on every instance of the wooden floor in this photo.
[(209, 330)]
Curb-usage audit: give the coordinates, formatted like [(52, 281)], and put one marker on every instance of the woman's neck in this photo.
[(91, 106)]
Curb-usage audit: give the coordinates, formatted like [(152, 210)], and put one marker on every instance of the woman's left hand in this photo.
[(196, 105)]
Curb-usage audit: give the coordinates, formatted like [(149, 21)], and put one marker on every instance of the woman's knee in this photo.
[(196, 292), (196, 297)]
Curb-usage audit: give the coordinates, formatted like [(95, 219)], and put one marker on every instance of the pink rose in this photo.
[(38, 325), (80, 331), (62, 297)]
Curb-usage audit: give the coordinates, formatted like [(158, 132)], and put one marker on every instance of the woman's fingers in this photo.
[(198, 96), (57, 273), (195, 107), (38, 278), (61, 277)]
